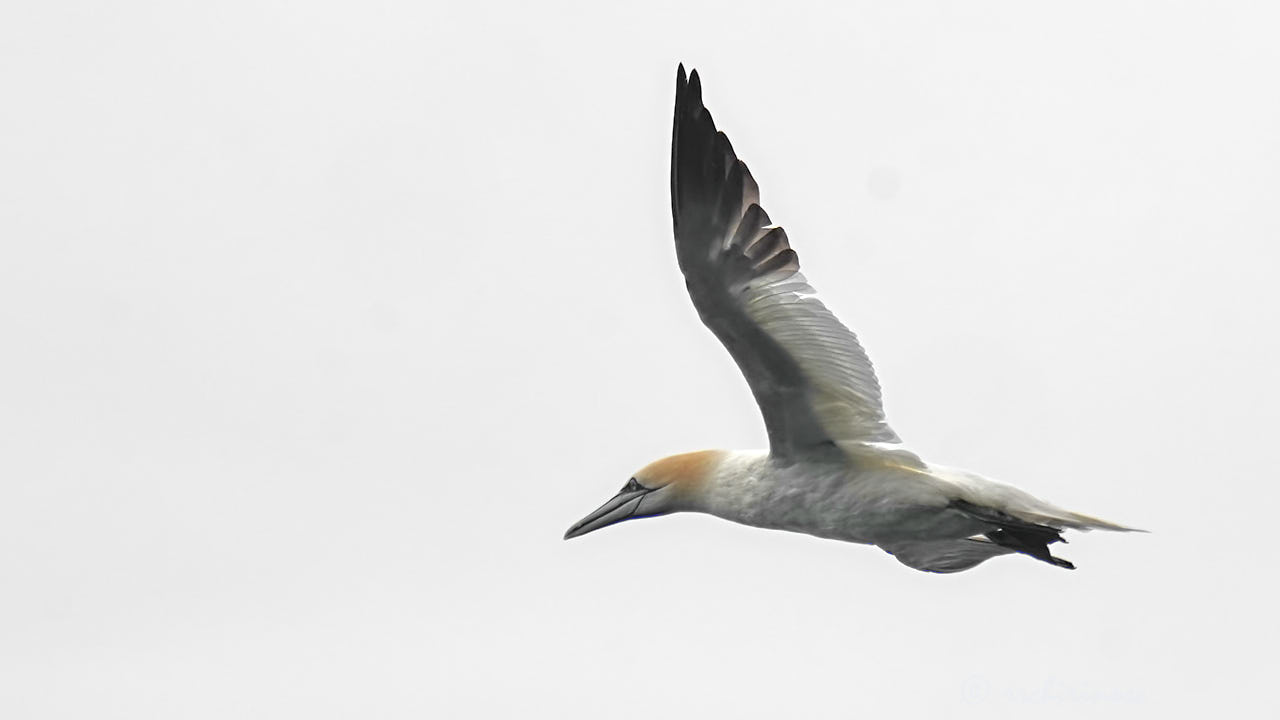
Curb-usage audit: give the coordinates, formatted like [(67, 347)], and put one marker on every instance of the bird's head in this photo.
[(669, 485)]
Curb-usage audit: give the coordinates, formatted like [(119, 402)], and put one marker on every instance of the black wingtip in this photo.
[(694, 98)]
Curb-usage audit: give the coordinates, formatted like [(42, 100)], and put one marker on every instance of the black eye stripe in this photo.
[(632, 485)]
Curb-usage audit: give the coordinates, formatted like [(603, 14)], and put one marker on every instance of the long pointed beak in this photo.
[(622, 506)]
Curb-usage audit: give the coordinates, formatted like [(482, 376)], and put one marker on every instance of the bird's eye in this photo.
[(632, 485)]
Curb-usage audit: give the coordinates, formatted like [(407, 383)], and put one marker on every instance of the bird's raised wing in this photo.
[(811, 378)]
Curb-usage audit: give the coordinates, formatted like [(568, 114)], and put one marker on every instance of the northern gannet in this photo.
[(834, 468)]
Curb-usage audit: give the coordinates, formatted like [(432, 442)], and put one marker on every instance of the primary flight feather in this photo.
[(834, 467)]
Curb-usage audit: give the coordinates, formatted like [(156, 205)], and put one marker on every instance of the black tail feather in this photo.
[(1035, 545), (1017, 535)]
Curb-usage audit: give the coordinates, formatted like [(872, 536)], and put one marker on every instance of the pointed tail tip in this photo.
[(1088, 522), (1115, 527)]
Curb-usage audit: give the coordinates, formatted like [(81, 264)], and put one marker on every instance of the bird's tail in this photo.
[(1065, 519), (1032, 531)]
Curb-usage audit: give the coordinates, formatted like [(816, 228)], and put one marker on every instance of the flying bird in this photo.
[(834, 467)]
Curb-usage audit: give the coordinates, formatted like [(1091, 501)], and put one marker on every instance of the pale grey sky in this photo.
[(322, 321)]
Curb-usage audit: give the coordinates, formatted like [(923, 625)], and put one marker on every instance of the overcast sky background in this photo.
[(322, 321)]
